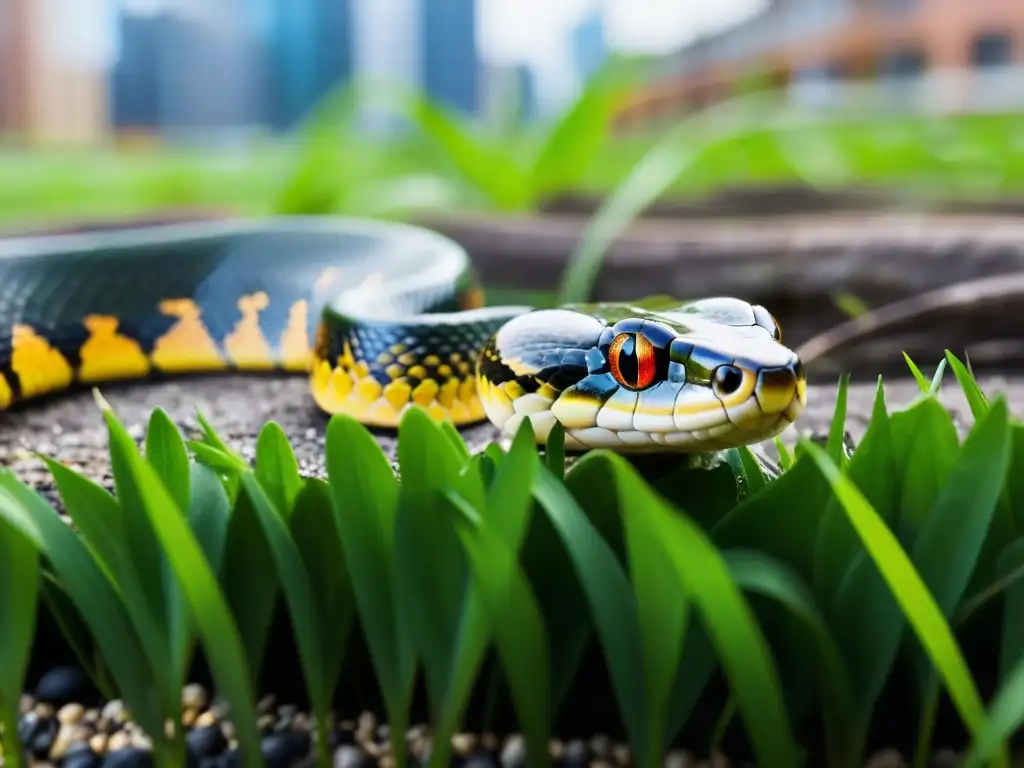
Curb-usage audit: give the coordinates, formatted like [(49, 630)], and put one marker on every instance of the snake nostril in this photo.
[(727, 380)]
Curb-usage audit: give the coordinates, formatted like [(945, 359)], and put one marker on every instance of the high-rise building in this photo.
[(450, 60), (589, 46), (54, 54), (136, 95)]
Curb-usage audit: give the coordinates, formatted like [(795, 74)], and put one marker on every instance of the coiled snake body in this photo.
[(383, 316)]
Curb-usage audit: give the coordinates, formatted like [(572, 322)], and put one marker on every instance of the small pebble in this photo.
[(119, 742), (463, 743), (206, 720), (67, 736), (207, 741), (130, 757), (513, 754), (63, 685), (678, 759), (348, 756), (37, 733), (70, 714), (576, 754), (81, 756), (479, 759), (193, 696)]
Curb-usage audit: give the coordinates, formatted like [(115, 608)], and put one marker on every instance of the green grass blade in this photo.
[(871, 469), (365, 498), (785, 457), (554, 451), (1011, 573), (489, 168), (837, 430), (1005, 716), (760, 574), (453, 434), (741, 647), (612, 605), (936, 381), (920, 378), (93, 595), (909, 591), (431, 573), (276, 468), (749, 476), (516, 624), (576, 136), (221, 640), (950, 541), (19, 600)]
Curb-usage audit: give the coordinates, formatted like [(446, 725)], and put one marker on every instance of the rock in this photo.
[(577, 754), (480, 759), (63, 685), (348, 756), (71, 714), (206, 741), (37, 733), (193, 696), (80, 755), (129, 757), (281, 749), (513, 754)]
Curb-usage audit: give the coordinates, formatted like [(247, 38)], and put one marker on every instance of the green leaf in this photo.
[(922, 380), (574, 139), (220, 636), (758, 573), (870, 469), (431, 568), (785, 457), (453, 434), (742, 648), (1011, 574), (488, 168), (93, 595), (1015, 477), (515, 622), (611, 602), (925, 446), (975, 397), (215, 458), (251, 587), (747, 469), (946, 550), (364, 492), (315, 534), (1005, 716), (276, 468), (19, 598), (166, 453), (554, 450), (909, 591)]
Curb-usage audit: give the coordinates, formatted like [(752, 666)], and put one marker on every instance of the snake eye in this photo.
[(727, 380), (632, 360)]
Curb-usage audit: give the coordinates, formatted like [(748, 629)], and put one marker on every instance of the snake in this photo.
[(383, 317)]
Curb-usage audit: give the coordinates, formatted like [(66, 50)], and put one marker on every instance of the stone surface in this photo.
[(71, 429)]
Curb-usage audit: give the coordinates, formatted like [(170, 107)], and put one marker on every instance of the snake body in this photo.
[(382, 317)]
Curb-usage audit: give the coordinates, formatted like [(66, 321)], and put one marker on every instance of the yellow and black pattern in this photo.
[(116, 306)]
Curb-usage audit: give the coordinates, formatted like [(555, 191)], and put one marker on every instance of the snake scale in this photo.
[(381, 316)]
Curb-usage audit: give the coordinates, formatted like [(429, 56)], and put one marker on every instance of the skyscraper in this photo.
[(451, 63), (589, 47)]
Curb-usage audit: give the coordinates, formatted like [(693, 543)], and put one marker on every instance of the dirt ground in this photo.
[(71, 429)]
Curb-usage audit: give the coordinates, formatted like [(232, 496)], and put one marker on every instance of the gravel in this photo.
[(70, 428)]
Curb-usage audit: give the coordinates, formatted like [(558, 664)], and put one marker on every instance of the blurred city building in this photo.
[(928, 54), (589, 44), (450, 61), (54, 87)]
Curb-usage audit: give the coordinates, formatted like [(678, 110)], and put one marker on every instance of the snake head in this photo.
[(711, 375)]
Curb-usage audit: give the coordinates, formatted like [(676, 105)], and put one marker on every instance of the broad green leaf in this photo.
[(430, 566), (250, 585), (364, 492), (1015, 477), (453, 434), (925, 446), (509, 503), (95, 513), (742, 649), (19, 598), (575, 138), (758, 573), (749, 475), (785, 457), (611, 603), (712, 493), (215, 458), (870, 469), (166, 453), (276, 467), (947, 547), (299, 593), (515, 623), (488, 168), (1005, 716), (1011, 573), (697, 664), (909, 591), (221, 640), (315, 534), (91, 592)]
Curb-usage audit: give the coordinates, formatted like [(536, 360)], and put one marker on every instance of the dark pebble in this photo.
[(37, 733), (577, 755), (206, 741), (63, 685), (348, 756), (280, 750), (80, 755), (479, 759), (130, 757)]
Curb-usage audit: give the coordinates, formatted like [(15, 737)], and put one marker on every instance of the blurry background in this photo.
[(111, 107)]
